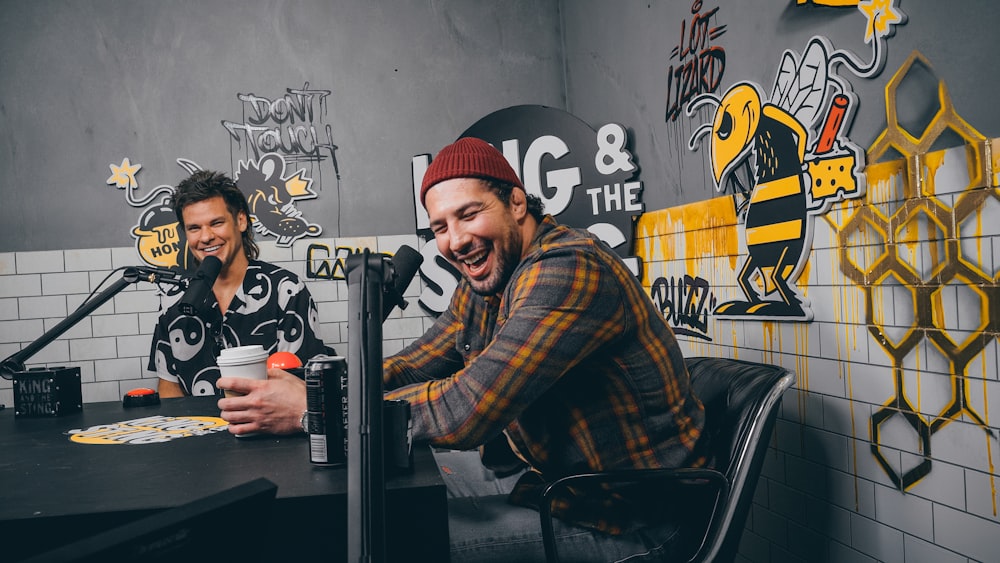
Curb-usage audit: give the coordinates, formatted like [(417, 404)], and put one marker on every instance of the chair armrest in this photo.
[(699, 477)]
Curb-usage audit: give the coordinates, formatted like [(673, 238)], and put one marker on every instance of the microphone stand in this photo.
[(369, 276), (134, 274)]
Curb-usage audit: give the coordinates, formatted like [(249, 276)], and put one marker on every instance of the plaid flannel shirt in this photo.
[(571, 363)]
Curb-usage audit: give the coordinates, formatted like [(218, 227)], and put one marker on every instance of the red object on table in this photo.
[(283, 360)]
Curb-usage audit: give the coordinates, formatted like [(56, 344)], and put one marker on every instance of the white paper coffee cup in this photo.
[(243, 361)]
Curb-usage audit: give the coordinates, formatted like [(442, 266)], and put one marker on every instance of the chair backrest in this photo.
[(741, 404)]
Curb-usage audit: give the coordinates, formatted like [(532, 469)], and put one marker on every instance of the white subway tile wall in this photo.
[(878, 454)]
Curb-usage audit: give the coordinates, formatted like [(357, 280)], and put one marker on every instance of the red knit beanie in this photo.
[(468, 157)]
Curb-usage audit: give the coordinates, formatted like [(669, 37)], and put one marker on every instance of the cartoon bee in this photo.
[(782, 191)]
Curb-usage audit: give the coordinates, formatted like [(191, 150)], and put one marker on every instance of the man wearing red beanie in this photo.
[(550, 356), (550, 359)]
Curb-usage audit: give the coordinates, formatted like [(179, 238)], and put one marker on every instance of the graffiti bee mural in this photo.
[(758, 149)]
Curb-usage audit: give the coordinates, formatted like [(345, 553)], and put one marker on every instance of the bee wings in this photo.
[(800, 87)]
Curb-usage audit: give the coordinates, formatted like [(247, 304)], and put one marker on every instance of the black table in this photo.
[(54, 491)]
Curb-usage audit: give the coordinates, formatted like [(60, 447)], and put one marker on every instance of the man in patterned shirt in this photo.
[(252, 302)]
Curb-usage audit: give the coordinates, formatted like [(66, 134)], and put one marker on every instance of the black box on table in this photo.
[(47, 392)]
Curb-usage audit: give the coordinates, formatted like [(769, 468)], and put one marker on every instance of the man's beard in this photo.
[(506, 259)]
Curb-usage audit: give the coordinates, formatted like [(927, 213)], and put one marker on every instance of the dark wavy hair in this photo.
[(205, 184), (503, 190)]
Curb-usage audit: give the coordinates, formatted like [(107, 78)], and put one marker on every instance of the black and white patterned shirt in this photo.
[(272, 308)]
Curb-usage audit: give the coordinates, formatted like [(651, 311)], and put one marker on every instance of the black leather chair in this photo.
[(741, 404)]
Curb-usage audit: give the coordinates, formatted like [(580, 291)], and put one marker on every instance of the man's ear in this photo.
[(518, 203), (242, 221)]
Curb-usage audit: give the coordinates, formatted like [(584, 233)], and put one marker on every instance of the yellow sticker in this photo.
[(149, 430)]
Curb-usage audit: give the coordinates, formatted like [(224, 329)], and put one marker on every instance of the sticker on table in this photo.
[(148, 430)]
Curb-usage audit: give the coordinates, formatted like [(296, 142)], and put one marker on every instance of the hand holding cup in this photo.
[(242, 361)]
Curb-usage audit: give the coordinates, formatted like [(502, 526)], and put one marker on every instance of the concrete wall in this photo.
[(89, 83)]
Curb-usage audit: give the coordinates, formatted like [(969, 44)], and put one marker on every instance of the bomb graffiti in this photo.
[(158, 239)]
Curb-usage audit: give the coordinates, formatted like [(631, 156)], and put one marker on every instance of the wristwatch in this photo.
[(304, 420)]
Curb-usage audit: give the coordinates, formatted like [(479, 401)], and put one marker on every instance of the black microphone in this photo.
[(152, 274), (405, 262), (200, 285)]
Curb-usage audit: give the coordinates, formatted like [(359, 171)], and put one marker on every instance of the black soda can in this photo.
[(326, 409)]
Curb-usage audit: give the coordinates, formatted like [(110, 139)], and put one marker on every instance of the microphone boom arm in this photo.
[(15, 362)]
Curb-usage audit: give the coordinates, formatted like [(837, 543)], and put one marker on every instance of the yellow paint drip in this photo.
[(702, 229), (989, 442), (937, 310), (803, 279), (881, 179), (933, 162), (801, 333)]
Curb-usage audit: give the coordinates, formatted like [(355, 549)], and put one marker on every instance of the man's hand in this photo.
[(271, 406)]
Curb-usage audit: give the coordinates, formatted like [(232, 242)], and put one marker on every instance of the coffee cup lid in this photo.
[(242, 355)]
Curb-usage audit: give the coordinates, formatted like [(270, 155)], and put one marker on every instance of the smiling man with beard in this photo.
[(551, 360)]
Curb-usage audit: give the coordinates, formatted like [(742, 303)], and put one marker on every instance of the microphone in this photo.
[(405, 264), (151, 274), (200, 285)]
